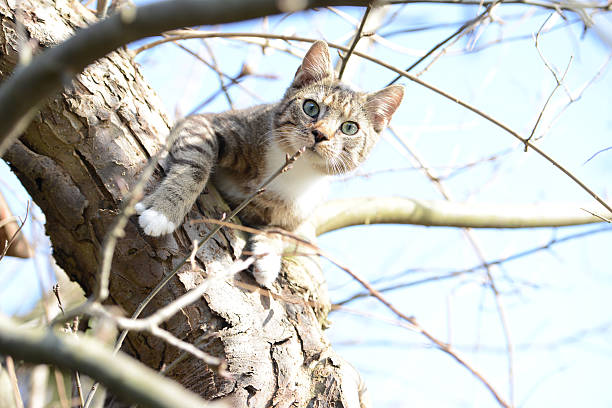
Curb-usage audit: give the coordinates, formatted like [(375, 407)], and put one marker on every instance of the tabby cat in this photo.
[(240, 149)]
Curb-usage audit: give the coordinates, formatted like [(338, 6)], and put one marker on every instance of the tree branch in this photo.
[(120, 374), (338, 214), (552, 5)]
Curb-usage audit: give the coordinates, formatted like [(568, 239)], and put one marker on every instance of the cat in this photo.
[(240, 149)]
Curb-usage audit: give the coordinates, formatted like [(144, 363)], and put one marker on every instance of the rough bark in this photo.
[(83, 149)]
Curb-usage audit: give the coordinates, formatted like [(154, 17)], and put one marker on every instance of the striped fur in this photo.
[(240, 149)]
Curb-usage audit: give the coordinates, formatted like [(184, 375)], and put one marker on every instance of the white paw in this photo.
[(155, 223), (139, 207), (267, 266)]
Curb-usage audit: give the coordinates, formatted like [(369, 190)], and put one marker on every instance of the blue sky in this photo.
[(557, 302)]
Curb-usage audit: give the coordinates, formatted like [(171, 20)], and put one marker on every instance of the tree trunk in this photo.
[(84, 148)]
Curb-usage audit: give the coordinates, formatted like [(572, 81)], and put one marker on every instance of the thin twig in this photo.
[(224, 88), (559, 81), (198, 342), (79, 389), (73, 329), (557, 86), (220, 75), (10, 368), (61, 388), (373, 36), (102, 8), (553, 5), (8, 244), (573, 99), (596, 153), (465, 27), (212, 98), (506, 40), (451, 171), (356, 38), (39, 381), (601, 217)]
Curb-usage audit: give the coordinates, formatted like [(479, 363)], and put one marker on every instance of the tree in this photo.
[(80, 159)]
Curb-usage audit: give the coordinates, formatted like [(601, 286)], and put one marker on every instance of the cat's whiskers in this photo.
[(241, 148)]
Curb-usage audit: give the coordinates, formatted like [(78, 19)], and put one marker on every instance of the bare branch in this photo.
[(553, 5), (12, 242), (559, 81), (10, 368), (581, 91), (596, 153), (465, 27), (356, 38), (124, 376), (338, 214), (7, 244)]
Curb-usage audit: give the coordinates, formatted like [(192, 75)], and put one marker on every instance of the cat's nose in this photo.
[(319, 136)]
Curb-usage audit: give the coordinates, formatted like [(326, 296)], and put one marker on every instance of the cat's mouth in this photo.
[(313, 151), (320, 152)]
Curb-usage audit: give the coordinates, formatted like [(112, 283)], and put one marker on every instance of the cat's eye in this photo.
[(349, 128), (311, 108)]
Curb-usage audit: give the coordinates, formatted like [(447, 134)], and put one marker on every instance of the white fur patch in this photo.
[(266, 269), (155, 223), (139, 207), (267, 265), (303, 185)]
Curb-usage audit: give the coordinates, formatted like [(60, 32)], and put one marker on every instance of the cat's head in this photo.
[(338, 125)]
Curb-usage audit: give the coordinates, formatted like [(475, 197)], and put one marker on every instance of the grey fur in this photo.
[(237, 147)]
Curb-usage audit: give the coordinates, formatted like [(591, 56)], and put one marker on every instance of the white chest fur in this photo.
[(303, 185)]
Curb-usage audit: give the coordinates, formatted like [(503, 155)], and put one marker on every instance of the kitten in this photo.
[(240, 149)]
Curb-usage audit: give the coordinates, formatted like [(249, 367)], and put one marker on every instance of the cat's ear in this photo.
[(316, 66), (382, 104)]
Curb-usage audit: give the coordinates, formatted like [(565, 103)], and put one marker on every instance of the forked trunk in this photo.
[(85, 147)]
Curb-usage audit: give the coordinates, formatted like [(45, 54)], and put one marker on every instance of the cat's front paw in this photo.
[(153, 222), (267, 265)]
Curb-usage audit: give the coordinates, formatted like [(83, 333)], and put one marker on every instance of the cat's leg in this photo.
[(190, 160), (269, 247), (268, 250)]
